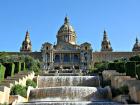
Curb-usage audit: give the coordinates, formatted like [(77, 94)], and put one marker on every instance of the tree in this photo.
[(135, 58)]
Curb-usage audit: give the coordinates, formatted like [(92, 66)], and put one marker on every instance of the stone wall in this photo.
[(110, 56), (6, 85), (118, 80), (4, 94)]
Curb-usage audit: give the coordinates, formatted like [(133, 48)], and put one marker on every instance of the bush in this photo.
[(31, 63), (23, 66), (4, 104), (124, 89), (101, 66), (130, 69), (111, 66), (19, 90), (106, 83), (115, 92), (120, 67), (10, 67), (2, 72), (135, 58), (119, 91), (29, 82), (17, 67)]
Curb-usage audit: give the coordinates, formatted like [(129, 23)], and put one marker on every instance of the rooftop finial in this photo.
[(137, 40), (66, 20), (105, 36), (27, 32), (105, 32)]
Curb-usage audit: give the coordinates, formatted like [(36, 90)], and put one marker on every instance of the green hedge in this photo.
[(18, 90), (137, 62), (120, 67), (10, 67), (17, 67), (111, 66), (30, 82), (130, 69), (2, 72), (138, 71), (23, 66)]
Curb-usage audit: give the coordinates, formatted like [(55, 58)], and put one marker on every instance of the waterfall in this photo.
[(53, 81), (63, 93), (69, 90)]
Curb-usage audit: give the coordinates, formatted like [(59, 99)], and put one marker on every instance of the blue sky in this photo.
[(43, 18)]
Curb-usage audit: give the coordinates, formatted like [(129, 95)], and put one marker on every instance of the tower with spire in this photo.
[(106, 45), (136, 46), (26, 44)]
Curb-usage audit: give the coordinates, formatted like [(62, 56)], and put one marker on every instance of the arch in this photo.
[(75, 58), (57, 58), (66, 58)]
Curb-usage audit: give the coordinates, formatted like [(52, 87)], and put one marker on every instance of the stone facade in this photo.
[(106, 45), (26, 44), (67, 54), (120, 79), (110, 56)]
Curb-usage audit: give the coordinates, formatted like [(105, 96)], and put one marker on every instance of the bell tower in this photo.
[(26, 44), (136, 46), (106, 45)]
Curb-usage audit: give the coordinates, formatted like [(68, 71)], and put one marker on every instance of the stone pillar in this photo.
[(62, 57), (49, 56), (46, 58), (70, 58)]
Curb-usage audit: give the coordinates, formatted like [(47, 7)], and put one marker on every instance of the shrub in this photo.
[(29, 82), (2, 72), (19, 90), (124, 89), (118, 91), (4, 104), (115, 92), (135, 58), (130, 69), (106, 83), (31, 63), (23, 66), (111, 66), (120, 67), (101, 66), (17, 67), (10, 67)]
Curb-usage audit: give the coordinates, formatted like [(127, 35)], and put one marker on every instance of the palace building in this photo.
[(67, 54)]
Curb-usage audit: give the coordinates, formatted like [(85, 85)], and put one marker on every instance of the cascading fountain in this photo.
[(68, 90), (54, 81)]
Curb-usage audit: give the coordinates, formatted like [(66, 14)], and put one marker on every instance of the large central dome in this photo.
[(66, 33)]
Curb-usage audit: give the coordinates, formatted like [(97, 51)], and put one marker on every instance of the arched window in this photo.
[(75, 58), (66, 58), (86, 48), (57, 58), (47, 48)]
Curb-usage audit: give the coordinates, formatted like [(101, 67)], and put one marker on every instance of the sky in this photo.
[(89, 18)]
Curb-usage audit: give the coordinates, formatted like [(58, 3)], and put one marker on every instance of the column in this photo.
[(70, 58)]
